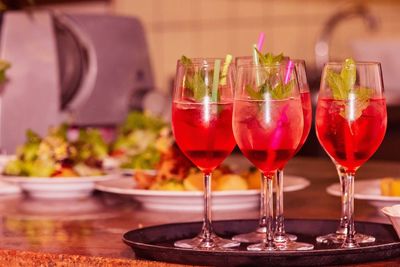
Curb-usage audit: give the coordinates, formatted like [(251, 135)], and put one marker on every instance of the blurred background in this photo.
[(159, 32)]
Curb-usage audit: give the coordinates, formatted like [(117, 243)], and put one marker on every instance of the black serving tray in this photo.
[(156, 243)]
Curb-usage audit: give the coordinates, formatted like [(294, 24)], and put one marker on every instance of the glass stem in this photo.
[(343, 218), (349, 241), (280, 228), (268, 206), (206, 231), (263, 217)]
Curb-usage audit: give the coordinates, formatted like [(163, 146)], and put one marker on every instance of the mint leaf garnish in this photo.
[(194, 80), (349, 73), (360, 98), (269, 58), (274, 90), (196, 84), (282, 91), (335, 82), (343, 84), (186, 61), (200, 82), (253, 93), (279, 91)]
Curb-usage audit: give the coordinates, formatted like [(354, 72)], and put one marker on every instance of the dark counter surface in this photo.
[(88, 232)]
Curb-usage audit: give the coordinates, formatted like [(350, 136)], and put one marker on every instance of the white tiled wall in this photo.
[(217, 27)]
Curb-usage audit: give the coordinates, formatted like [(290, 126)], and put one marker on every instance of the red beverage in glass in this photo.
[(307, 115), (351, 142), (268, 132), (204, 132)]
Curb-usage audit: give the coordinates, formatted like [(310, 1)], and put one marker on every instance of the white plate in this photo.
[(192, 200), (366, 190), (8, 188), (57, 188)]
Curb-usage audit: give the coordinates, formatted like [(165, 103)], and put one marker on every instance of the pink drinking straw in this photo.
[(260, 43), (289, 69)]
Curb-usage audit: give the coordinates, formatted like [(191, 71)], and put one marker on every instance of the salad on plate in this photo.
[(55, 155), (140, 141)]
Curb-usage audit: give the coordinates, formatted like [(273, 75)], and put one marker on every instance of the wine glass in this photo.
[(280, 235), (267, 125), (259, 234), (202, 125), (351, 123)]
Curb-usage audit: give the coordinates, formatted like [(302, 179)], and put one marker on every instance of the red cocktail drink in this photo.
[(307, 117), (350, 141), (203, 132), (268, 132)]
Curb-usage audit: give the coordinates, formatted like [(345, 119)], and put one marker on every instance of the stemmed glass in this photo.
[(351, 123), (267, 125), (202, 125), (259, 234), (280, 235)]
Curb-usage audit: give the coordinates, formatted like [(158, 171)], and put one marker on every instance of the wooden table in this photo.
[(88, 231)]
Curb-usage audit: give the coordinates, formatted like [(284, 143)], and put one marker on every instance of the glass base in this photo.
[(259, 235), (291, 245), (262, 247), (253, 237), (285, 238), (281, 246), (335, 238), (214, 243)]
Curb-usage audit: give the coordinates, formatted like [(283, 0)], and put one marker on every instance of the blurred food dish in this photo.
[(55, 155), (390, 186), (368, 190), (141, 140), (188, 201)]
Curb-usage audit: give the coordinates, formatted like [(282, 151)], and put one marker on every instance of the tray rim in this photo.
[(256, 253)]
